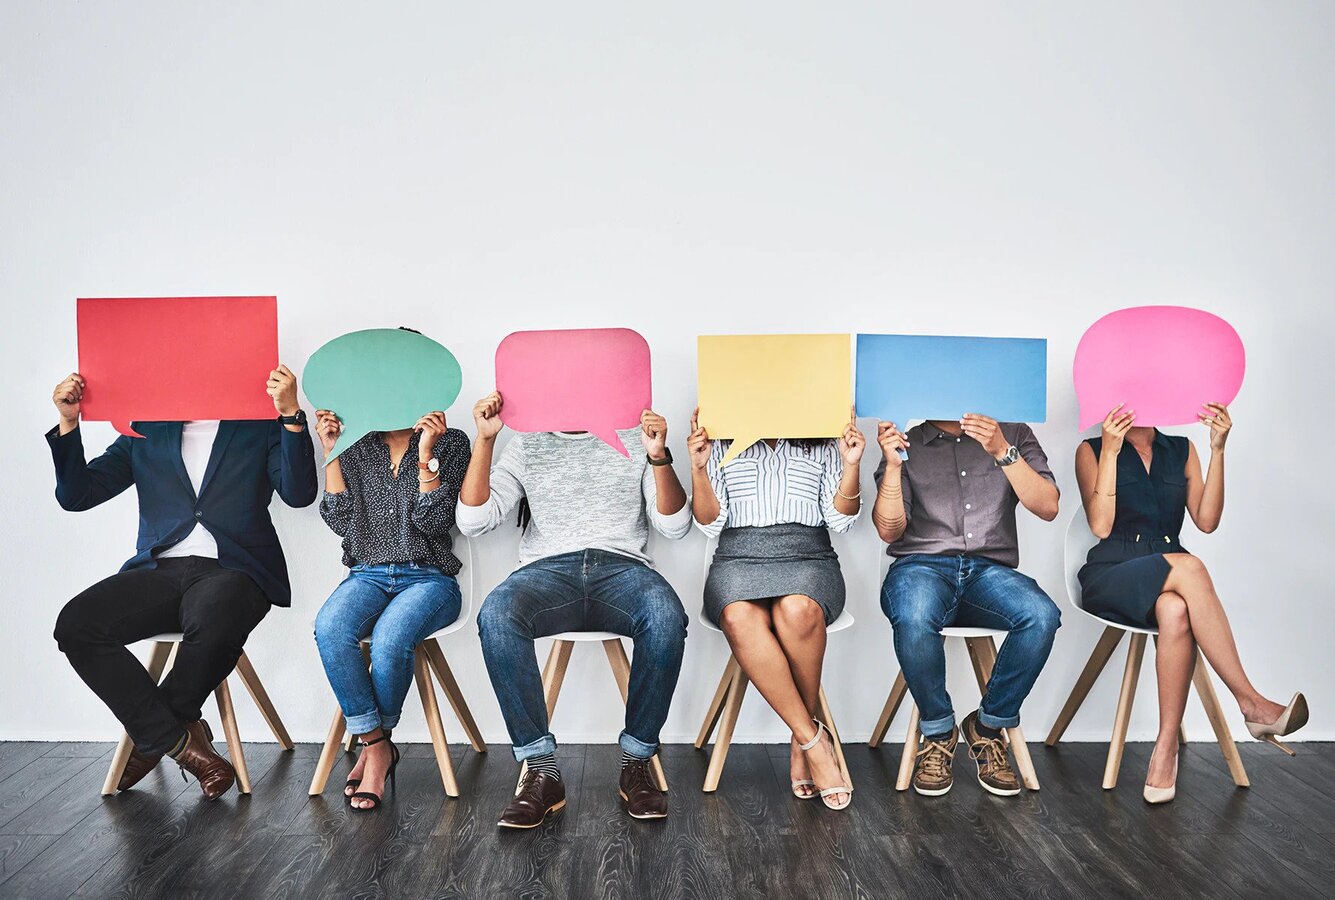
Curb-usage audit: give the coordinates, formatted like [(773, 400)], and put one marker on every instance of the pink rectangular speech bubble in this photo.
[(1163, 362), (586, 379)]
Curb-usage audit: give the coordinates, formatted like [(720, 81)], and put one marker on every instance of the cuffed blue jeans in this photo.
[(588, 590), (924, 593), (397, 606)]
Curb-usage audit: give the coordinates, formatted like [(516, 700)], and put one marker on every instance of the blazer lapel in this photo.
[(225, 432), (174, 430)]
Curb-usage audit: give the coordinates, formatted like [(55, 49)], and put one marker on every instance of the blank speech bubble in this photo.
[(381, 379), (753, 387), (176, 359), (1163, 362), (584, 379)]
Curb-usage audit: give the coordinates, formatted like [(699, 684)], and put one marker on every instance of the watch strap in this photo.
[(297, 418), (665, 461)]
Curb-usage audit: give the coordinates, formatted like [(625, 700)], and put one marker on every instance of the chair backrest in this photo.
[(1079, 540), (468, 580)]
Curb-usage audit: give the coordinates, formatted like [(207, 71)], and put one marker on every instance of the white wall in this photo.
[(472, 169)]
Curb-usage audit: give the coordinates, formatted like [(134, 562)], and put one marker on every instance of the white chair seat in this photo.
[(586, 636), (968, 631), (845, 620), (169, 636)]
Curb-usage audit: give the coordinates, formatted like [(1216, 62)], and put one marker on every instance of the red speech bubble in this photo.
[(170, 359), (587, 379), (1163, 362)]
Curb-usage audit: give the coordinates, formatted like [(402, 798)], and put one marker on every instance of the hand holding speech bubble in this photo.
[(583, 379), (913, 376), (172, 359), (1163, 362), (381, 379), (758, 386)]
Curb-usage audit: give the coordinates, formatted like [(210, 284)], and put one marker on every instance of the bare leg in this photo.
[(749, 628), (1209, 625), (799, 624), (1175, 660)]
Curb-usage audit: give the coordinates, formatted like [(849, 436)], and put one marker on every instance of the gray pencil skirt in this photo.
[(774, 561)]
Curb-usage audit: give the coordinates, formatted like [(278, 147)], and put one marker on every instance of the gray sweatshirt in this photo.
[(582, 493)]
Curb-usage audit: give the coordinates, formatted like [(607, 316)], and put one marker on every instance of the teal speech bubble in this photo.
[(381, 379)]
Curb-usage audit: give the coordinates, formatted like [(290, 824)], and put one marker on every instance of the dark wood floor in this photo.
[(58, 838)]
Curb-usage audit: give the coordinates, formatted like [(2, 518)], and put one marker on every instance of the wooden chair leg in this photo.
[(723, 742), (910, 751), (422, 674), (1130, 678), (828, 716), (716, 705), (1024, 764), (1205, 689), (328, 754), (616, 658), (892, 704), (1098, 659), (157, 661), (445, 676), (255, 688), (223, 694)]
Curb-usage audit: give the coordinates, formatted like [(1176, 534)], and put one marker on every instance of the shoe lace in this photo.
[(637, 773), (935, 758), (991, 752)]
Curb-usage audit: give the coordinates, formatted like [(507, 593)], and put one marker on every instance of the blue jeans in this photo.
[(397, 605), (923, 594), (588, 590)]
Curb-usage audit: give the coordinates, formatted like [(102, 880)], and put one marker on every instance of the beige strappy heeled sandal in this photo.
[(826, 794)]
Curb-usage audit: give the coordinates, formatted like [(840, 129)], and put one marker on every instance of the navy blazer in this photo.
[(250, 461)]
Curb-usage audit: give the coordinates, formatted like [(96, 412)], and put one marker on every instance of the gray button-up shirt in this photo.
[(957, 499)]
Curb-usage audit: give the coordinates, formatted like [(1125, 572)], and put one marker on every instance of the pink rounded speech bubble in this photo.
[(1163, 362), (588, 379)]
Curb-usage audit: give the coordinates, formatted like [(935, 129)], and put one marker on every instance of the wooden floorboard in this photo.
[(750, 839)]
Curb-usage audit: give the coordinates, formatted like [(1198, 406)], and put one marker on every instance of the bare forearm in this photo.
[(846, 498), (333, 478), (1036, 493), (1212, 500), (476, 489), (888, 512), (671, 495), (704, 503)]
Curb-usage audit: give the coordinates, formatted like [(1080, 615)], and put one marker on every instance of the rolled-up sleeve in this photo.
[(670, 525), (714, 470), (832, 470), (337, 511), (434, 511), (507, 488), (1032, 451)]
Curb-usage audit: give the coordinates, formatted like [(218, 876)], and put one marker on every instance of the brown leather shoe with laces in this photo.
[(994, 766), (931, 768), (136, 767), (214, 774), (639, 793), (539, 794)]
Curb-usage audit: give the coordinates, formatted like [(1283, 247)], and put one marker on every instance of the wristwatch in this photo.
[(431, 465), (1012, 456), (298, 419), (665, 461)]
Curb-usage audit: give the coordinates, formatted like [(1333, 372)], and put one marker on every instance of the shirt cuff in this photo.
[(674, 525), (474, 520), (839, 522)]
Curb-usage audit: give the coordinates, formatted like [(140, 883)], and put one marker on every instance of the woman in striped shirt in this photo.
[(774, 584)]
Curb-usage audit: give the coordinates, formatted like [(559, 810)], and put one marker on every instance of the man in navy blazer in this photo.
[(207, 564)]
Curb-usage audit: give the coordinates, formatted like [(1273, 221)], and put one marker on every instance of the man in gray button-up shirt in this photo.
[(948, 516)]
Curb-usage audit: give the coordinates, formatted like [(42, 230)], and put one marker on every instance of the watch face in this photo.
[(433, 465)]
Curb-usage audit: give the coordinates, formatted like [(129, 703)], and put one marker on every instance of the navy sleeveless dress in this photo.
[(1124, 573)]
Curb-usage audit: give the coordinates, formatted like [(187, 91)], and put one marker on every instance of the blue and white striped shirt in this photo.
[(787, 484)]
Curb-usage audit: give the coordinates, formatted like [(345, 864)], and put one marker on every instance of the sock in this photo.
[(984, 731), (545, 763), (939, 738), (179, 745), (627, 759)]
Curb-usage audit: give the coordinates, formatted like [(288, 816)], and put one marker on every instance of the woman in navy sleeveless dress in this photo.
[(1138, 486)]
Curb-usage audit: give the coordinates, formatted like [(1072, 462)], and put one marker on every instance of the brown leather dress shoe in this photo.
[(539, 795), (214, 774), (639, 793), (136, 767)]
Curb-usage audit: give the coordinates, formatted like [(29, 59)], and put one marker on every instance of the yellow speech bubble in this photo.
[(758, 386)]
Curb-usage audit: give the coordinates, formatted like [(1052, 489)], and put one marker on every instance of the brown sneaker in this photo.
[(214, 774), (539, 795), (136, 767), (994, 766), (931, 769), (639, 793)]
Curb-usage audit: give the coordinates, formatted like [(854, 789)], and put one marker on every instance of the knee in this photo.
[(330, 630), (1043, 617), (70, 628), (1170, 612), (799, 614), (391, 648), (664, 619), (913, 617), (741, 616), (496, 614), (1186, 565)]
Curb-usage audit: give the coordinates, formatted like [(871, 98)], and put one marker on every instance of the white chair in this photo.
[(1079, 540), (160, 659), (982, 646), (428, 658), (727, 702)]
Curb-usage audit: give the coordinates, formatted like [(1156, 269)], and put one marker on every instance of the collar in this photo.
[(930, 433)]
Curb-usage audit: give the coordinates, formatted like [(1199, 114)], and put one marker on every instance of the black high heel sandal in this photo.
[(377, 799), (353, 783)]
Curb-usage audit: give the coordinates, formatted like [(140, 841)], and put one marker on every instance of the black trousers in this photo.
[(214, 608)]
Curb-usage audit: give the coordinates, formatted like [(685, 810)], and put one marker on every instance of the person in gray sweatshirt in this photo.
[(586, 512)]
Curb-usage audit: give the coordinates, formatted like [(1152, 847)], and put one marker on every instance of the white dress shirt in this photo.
[(787, 484), (196, 447)]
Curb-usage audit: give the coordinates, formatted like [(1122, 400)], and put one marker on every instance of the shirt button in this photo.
[(962, 474), (969, 535), (968, 506)]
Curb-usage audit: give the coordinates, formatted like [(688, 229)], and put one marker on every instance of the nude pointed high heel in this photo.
[(1289, 721), (1157, 795)]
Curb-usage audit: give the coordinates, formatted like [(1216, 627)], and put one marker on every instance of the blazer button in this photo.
[(198, 514)]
